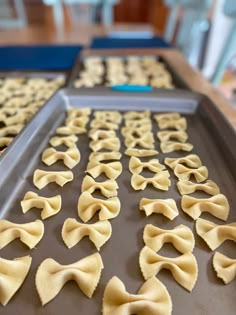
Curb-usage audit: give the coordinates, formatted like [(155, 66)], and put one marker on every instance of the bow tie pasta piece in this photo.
[(88, 206), (70, 158), (167, 117), (171, 146), (105, 156), (181, 237), (29, 233), (184, 268), (111, 116), (108, 188), (101, 124), (136, 166), (146, 141), (186, 187), (151, 299), (140, 153), (132, 115), (73, 232), (184, 173), (141, 123), (97, 134), (159, 181), (128, 131), (217, 206), (43, 178), (5, 141), (12, 275), (78, 112), (178, 124), (85, 272), (11, 130), (225, 267), (79, 122), (49, 206), (112, 144), (167, 207), (112, 170), (70, 130), (180, 136), (68, 141), (191, 160), (215, 235)]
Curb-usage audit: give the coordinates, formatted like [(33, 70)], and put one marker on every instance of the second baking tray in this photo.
[(213, 140), (79, 66)]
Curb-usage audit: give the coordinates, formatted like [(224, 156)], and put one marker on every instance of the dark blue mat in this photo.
[(50, 57), (106, 43)]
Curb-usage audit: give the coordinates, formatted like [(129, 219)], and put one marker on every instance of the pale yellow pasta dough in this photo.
[(88, 206), (79, 122), (171, 146), (73, 232), (217, 206), (191, 160), (52, 276), (101, 124), (97, 134), (112, 116), (126, 131), (136, 166), (107, 188), (160, 181), (180, 136), (42, 178), (167, 207), (140, 152), (112, 170), (184, 268), (186, 187), (70, 130), (11, 130), (5, 141), (215, 235), (68, 141), (104, 156), (181, 237), (178, 124), (12, 275), (131, 115), (70, 157), (151, 299), (78, 112), (50, 206), (146, 141), (167, 116), (29, 233), (145, 122), (225, 267), (184, 173), (112, 144)]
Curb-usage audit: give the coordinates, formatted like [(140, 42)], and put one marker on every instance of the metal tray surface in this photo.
[(120, 254), (78, 66)]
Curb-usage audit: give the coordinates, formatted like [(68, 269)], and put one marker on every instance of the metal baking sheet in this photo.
[(213, 140), (79, 66)]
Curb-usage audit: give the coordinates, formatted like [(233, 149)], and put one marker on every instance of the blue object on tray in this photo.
[(131, 88), (43, 57), (105, 43)]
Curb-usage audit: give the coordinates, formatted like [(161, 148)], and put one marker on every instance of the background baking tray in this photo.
[(213, 140), (79, 66)]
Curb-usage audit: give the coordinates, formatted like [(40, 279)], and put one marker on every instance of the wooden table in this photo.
[(193, 78)]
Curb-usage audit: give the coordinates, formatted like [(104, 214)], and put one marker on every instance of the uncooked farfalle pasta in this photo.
[(166, 207), (50, 206), (171, 146), (152, 296), (112, 170), (159, 181), (73, 232), (70, 157), (12, 275), (215, 235), (184, 173), (184, 268), (136, 166), (225, 267), (85, 272), (191, 160), (186, 187), (29, 233), (107, 188), (181, 237), (42, 178)]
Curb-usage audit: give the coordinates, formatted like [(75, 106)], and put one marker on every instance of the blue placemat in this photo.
[(49, 57), (105, 42)]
